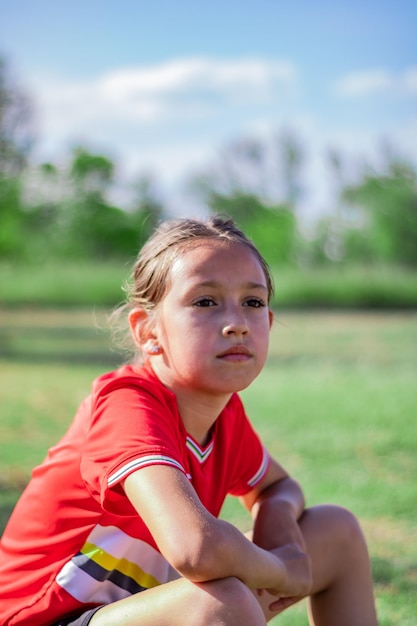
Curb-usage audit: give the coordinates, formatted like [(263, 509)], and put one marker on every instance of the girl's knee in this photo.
[(337, 526), (345, 522), (229, 601)]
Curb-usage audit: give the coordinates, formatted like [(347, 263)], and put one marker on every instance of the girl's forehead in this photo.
[(207, 256)]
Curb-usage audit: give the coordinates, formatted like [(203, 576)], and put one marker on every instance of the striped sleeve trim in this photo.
[(144, 461), (261, 471)]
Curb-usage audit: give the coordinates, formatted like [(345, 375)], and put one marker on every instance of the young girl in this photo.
[(119, 525)]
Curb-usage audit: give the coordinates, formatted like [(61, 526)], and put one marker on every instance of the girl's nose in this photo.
[(235, 326)]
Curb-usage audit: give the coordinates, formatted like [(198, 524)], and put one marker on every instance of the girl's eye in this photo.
[(205, 302), (256, 303)]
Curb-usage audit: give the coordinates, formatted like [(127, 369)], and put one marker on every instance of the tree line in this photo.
[(51, 212)]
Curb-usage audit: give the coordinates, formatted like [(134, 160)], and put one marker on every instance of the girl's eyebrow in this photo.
[(248, 285)]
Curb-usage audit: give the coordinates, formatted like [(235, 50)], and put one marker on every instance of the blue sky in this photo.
[(164, 86)]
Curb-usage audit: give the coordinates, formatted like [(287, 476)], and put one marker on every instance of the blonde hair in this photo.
[(150, 277)]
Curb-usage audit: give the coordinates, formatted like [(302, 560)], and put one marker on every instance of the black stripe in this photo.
[(101, 574)]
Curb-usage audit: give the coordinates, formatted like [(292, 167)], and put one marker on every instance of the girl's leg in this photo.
[(342, 592), (343, 586), (224, 602)]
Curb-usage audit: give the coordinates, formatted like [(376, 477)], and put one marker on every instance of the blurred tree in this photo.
[(272, 228), (96, 228), (67, 213), (15, 141), (43, 201), (16, 135), (239, 168), (268, 168), (292, 158), (12, 218), (148, 209), (258, 182), (92, 173), (330, 231), (389, 205)]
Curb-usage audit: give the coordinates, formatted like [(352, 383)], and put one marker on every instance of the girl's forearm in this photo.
[(276, 513), (283, 572), (227, 552)]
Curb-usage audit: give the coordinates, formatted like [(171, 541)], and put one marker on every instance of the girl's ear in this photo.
[(271, 318), (140, 327)]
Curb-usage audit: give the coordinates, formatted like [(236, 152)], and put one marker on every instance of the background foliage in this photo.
[(51, 213)]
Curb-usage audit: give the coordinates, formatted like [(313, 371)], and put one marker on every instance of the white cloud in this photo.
[(373, 81), (190, 88), (186, 75), (362, 83), (410, 80)]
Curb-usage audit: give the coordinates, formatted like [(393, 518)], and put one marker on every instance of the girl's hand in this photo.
[(279, 604), (298, 578)]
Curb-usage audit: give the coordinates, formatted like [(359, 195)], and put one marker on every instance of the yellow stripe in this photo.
[(109, 562)]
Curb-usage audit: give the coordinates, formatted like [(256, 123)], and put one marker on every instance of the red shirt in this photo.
[(74, 540)]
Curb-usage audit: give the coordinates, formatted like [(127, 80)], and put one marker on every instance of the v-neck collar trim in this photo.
[(201, 454)]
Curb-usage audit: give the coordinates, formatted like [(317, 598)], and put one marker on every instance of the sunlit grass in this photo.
[(79, 283), (335, 404), (64, 284)]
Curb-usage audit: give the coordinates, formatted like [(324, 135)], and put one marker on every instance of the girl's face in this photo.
[(213, 324)]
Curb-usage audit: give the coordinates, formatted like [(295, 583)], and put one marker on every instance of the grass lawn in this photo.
[(336, 404), (87, 283)]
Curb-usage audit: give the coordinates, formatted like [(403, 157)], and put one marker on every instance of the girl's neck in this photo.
[(199, 413), (198, 409)]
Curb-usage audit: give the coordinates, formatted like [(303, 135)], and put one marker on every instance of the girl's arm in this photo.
[(201, 547), (276, 505)]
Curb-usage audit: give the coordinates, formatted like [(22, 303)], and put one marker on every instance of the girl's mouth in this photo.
[(235, 353)]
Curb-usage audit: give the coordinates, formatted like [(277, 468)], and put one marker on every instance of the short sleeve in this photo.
[(132, 425)]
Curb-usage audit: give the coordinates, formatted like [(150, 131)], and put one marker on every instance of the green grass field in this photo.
[(79, 283), (336, 404)]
